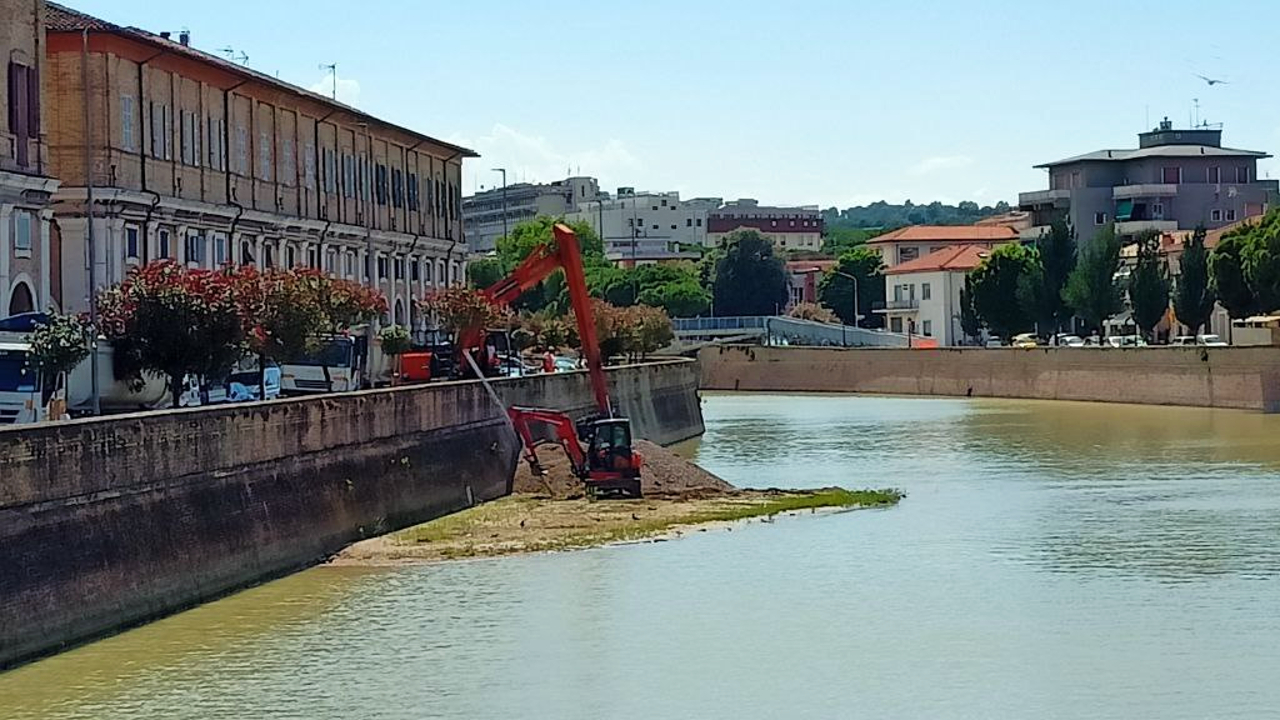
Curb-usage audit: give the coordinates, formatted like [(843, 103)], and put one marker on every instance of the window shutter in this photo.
[(13, 97), (33, 102)]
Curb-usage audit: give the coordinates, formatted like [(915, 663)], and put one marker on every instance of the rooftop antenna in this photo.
[(1195, 103), (229, 52), (333, 70), (244, 58)]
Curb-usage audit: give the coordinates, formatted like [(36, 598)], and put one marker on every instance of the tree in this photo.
[(836, 290), (395, 341), (457, 309), (1227, 275), (58, 347), (1091, 290), (1193, 296), (1149, 285), (685, 298), (1262, 262), (994, 286), (514, 247), (970, 323), (1057, 251), (749, 278), (484, 272), (813, 312), (175, 321)]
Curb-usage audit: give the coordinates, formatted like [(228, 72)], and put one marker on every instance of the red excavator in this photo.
[(599, 447)]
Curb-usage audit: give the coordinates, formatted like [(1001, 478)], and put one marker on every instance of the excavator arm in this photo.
[(566, 435), (562, 253)]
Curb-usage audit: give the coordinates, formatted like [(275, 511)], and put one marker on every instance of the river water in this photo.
[(1052, 560)]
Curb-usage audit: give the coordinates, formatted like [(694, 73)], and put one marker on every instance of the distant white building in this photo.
[(648, 227), (487, 214)]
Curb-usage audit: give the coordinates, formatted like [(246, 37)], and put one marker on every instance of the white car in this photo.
[(1069, 340), (1211, 341)]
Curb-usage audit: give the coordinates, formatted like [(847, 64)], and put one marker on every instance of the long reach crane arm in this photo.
[(562, 253)]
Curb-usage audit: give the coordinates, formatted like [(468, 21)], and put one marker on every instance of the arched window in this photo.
[(22, 300)]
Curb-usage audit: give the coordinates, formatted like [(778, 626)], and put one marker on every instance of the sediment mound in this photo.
[(663, 472)]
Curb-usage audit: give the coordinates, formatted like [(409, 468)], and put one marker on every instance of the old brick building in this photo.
[(207, 162), (25, 188)]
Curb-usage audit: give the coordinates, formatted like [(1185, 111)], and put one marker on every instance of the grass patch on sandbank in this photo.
[(499, 527)]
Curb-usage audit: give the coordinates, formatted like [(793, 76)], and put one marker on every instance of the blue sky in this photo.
[(808, 102)]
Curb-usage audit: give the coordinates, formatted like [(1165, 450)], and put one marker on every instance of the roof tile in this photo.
[(948, 233), (955, 258)]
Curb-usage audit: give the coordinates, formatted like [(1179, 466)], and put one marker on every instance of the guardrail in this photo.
[(776, 330)]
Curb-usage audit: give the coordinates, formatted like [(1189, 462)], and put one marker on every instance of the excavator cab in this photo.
[(614, 465)]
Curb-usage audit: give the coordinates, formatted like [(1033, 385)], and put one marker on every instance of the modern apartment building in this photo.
[(1174, 180), (26, 283), (648, 227), (490, 213), (788, 227), (207, 162)]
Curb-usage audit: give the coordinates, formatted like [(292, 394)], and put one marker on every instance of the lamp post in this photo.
[(854, 278), (504, 199)]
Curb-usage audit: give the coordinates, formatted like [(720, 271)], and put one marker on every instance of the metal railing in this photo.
[(788, 331)]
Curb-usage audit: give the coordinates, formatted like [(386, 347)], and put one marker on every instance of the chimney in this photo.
[(165, 34), (184, 37)]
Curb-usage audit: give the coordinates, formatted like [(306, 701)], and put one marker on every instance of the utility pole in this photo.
[(88, 215), (504, 199), (854, 278)]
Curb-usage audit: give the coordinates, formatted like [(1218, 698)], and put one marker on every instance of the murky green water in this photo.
[(1052, 561)]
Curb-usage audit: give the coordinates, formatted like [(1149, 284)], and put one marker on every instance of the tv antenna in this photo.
[(333, 70)]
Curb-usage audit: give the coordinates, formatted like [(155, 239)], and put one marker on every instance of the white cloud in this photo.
[(348, 89), (939, 163), (531, 158)]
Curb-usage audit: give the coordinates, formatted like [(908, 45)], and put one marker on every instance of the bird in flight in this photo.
[(1211, 81)]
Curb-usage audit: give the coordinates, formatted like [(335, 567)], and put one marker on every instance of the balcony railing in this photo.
[(1043, 197), (1133, 227), (1144, 190), (907, 304)]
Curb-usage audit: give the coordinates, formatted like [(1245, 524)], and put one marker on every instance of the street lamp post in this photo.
[(854, 278), (504, 199)]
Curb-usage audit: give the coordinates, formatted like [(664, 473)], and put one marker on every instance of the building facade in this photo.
[(1175, 180), (648, 227), (916, 241), (491, 213), (26, 280), (922, 296), (790, 228), (196, 159)]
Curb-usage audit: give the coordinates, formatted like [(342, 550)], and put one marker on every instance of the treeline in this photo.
[(887, 215)]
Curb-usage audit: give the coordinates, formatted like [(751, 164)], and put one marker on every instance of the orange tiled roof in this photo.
[(955, 258), (948, 234)]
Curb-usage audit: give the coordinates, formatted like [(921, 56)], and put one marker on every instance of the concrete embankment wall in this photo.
[(112, 521), (1245, 378)]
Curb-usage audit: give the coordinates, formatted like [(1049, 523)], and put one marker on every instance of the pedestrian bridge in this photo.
[(779, 330)]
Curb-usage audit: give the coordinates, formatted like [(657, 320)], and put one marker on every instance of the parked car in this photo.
[(1025, 340), (566, 364), (994, 342), (1125, 341), (1211, 341), (1069, 340)]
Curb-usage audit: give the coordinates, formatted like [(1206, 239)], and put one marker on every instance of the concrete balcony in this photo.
[(1133, 227), (905, 305), (1144, 190), (1043, 197), (1033, 233)]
